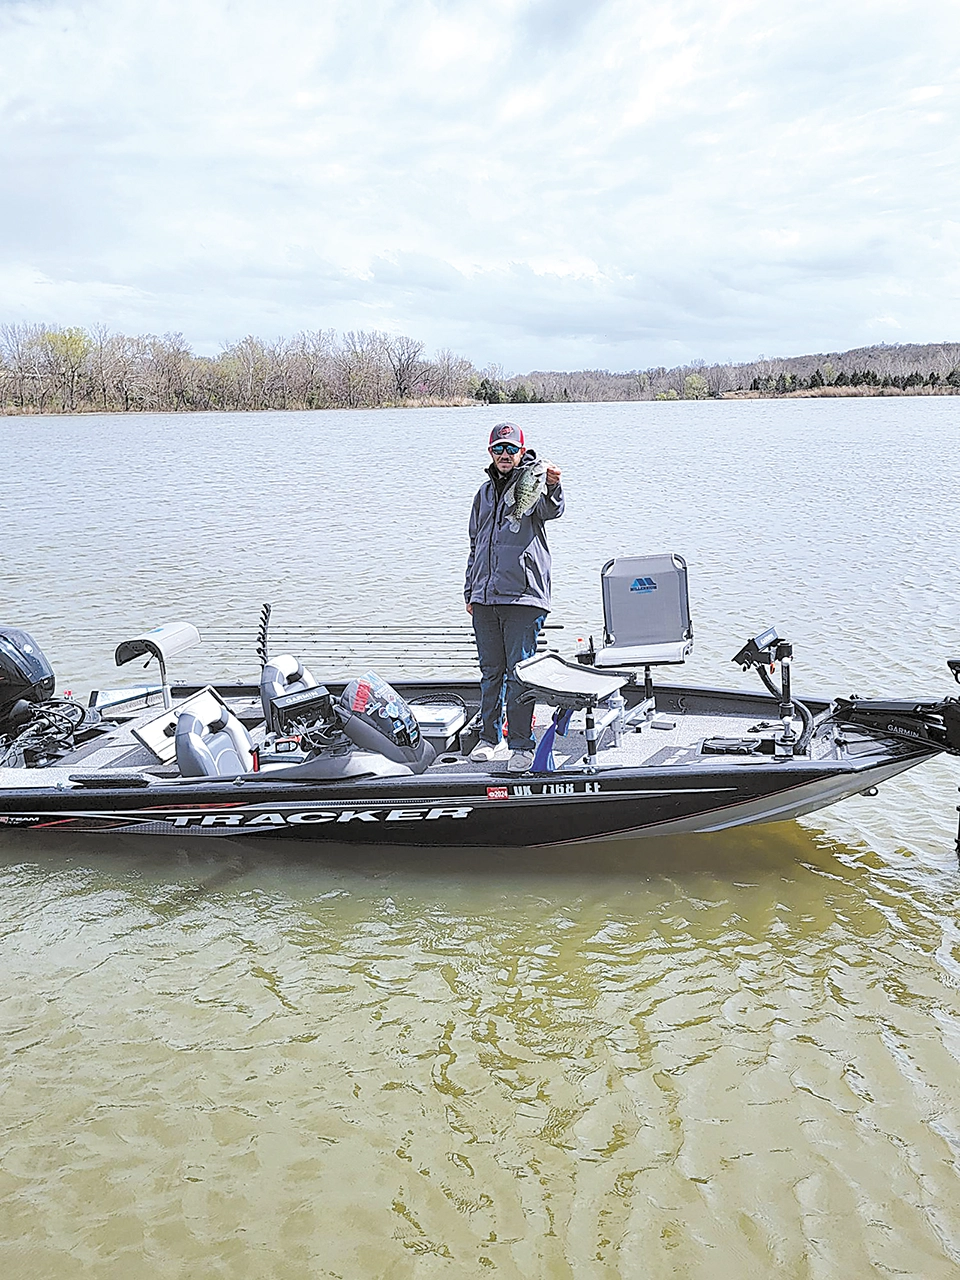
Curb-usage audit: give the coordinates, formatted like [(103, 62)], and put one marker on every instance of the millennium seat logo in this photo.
[(643, 584)]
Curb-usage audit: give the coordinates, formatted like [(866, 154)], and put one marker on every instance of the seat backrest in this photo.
[(646, 609), (158, 735), (283, 674), (219, 748)]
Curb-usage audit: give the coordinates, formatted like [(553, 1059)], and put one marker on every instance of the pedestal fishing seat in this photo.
[(646, 614), (646, 623)]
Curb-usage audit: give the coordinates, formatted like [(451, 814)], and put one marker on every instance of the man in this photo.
[(507, 592)]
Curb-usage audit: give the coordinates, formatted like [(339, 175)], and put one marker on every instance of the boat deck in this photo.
[(651, 746), (674, 742)]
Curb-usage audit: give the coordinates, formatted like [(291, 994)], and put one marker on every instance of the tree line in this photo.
[(49, 369), (894, 369)]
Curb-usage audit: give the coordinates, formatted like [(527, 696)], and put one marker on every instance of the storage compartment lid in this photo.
[(439, 719)]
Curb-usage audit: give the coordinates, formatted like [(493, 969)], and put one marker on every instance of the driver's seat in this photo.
[(218, 748)]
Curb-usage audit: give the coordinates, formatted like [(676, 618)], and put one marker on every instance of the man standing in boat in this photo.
[(507, 591)]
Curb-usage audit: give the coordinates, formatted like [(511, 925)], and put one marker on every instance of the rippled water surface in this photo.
[(727, 1055)]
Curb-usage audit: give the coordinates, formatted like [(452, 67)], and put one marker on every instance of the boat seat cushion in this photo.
[(566, 684), (644, 655), (220, 748)]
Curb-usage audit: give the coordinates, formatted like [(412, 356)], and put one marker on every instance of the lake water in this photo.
[(728, 1055)]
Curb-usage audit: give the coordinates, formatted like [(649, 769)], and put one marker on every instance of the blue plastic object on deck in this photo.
[(543, 761)]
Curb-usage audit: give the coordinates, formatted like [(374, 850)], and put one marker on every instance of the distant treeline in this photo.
[(48, 369), (884, 369)]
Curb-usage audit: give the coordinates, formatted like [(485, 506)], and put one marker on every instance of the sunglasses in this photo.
[(497, 449)]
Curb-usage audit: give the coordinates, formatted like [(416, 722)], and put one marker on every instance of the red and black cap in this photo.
[(506, 433)]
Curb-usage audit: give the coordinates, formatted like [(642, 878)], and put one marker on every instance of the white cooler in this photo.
[(439, 722)]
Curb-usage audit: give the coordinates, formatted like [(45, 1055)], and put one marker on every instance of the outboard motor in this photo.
[(376, 718), (25, 676)]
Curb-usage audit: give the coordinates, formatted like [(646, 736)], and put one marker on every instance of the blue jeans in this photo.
[(506, 633)]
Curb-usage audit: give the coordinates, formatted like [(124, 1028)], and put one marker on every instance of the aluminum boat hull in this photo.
[(487, 810)]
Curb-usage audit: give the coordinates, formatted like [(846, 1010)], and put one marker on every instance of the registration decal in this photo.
[(588, 788)]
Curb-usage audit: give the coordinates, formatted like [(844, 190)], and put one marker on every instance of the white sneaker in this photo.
[(520, 762), (484, 752)]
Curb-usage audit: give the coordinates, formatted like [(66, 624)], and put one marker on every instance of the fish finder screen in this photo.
[(306, 707)]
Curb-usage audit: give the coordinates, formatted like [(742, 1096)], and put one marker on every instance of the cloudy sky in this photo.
[(538, 183)]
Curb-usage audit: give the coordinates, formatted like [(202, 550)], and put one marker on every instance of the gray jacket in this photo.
[(506, 567)]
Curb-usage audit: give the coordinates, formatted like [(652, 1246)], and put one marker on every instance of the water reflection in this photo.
[(534, 1061), (773, 848)]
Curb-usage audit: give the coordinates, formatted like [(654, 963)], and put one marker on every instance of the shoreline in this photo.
[(838, 393), (47, 369), (468, 402), (83, 411)]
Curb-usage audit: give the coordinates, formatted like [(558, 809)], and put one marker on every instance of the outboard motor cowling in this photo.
[(376, 718), (25, 673)]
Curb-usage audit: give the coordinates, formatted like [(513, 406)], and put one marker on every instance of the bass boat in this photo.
[(374, 760)]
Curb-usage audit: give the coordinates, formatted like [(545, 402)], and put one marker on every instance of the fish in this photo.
[(526, 493)]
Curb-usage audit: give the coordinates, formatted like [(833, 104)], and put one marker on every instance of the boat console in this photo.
[(306, 734)]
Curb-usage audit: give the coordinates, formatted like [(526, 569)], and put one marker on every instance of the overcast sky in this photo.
[(540, 183)]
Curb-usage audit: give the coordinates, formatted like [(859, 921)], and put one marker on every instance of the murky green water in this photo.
[(727, 1055)]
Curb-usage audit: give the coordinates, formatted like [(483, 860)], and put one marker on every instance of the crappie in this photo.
[(526, 493)]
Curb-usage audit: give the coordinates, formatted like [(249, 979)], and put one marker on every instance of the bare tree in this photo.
[(20, 351), (404, 357)]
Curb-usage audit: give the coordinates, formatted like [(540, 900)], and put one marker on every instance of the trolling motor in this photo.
[(763, 652), (933, 726)]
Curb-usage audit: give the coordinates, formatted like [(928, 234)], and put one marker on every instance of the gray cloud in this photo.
[(535, 182)]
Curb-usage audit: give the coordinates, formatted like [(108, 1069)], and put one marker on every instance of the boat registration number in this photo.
[(521, 790)]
